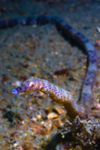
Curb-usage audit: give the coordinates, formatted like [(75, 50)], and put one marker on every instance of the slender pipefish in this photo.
[(56, 93)]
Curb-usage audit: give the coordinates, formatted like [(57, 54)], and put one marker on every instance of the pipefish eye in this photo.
[(31, 85)]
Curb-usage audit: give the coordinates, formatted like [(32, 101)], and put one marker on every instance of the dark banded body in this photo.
[(79, 38)]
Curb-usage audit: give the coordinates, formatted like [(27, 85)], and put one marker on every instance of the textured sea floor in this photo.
[(29, 120)]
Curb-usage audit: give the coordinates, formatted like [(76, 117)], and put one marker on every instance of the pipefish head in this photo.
[(32, 84)]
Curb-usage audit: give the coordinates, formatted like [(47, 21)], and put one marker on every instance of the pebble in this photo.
[(52, 115)]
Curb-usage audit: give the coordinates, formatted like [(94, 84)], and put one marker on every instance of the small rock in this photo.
[(52, 115), (48, 125), (98, 29), (59, 110)]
